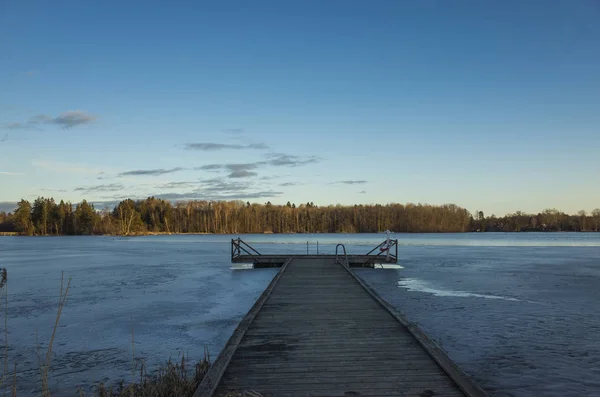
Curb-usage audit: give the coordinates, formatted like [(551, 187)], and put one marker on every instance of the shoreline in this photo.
[(15, 234)]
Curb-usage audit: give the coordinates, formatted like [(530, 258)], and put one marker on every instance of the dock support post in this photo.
[(317, 247), (307, 248)]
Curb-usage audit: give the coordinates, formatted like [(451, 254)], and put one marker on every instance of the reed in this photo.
[(45, 366), (174, 379)]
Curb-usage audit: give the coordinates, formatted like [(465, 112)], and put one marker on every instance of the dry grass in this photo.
[(45, 365), (172, 380)]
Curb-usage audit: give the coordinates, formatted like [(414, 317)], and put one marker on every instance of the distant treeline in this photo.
[(153, 215)]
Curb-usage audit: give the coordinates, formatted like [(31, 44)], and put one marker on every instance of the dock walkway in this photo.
[(318, 330)]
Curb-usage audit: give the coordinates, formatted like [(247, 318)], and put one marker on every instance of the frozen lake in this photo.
[(518, 312)]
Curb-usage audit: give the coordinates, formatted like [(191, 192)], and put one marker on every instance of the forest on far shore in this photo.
[(153, 215)]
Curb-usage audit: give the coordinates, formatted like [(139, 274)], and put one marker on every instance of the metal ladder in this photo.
[(342, 261)]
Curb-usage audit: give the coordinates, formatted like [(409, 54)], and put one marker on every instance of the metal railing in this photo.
[(345, 259), (307, 245), (238, 246), (387, 250)]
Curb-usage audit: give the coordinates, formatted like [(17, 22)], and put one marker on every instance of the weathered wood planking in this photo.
[(318, 330), (278, 260)]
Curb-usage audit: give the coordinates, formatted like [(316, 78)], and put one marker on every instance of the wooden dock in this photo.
[(319, 330)]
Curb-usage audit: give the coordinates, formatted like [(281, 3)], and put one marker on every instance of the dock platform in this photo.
[(386, 252), (318, 330)]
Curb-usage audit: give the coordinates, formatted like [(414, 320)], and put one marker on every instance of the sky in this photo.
[(493, 105)]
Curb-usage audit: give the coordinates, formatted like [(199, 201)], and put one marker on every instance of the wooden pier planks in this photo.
[(317, 330)]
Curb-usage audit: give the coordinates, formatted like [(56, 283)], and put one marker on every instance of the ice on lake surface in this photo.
[(518, 312)]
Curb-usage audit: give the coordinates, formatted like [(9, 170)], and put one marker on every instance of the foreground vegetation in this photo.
[(153, 215), (174, 379)]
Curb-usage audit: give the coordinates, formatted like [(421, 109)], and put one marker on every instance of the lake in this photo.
[(518, 312)]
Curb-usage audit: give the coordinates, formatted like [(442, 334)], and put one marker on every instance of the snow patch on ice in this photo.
[(415, 285), (387, 266), (242, 266)]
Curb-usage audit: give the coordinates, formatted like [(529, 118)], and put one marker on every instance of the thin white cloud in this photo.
[(110, 187), (177, 185), (64, 167), (212, 146), (53, 190), (10, 173)]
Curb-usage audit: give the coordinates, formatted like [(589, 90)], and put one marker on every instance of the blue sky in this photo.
[(493, 106)]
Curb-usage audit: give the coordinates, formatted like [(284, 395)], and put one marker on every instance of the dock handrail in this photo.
[(337, 260), (238, 245), (393, 244)]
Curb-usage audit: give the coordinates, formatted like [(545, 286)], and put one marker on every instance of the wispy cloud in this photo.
[(199, 195), (52, 190), (10, 173), (242, 170), (222, 186), (154, 172), (242, 166), (248, 195), (111, 187), (68, 119), (62, 167), (289, 160), (351, 182), (211, 146), (177, 185), (16, 126), (362, 192), (230, 167), (242, 174), (203, 189), (40, 119), (210, 167), (289, 184), (209, 189), (234, 131)]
